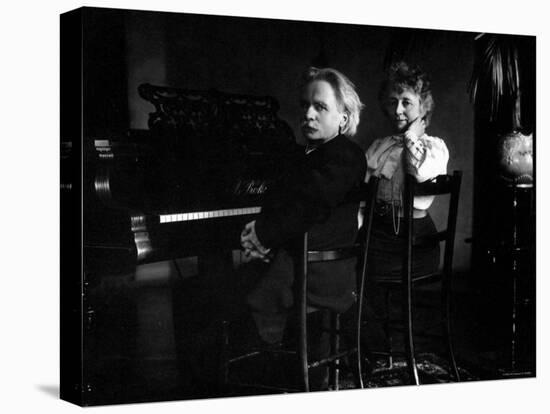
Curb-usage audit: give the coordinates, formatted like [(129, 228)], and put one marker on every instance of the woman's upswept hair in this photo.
[(401, 76), (345, 93)]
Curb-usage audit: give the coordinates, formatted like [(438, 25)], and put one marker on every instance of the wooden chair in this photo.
[(441, 185), (303, 259)]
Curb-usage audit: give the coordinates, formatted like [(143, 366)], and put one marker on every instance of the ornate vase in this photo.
[(516, 158)]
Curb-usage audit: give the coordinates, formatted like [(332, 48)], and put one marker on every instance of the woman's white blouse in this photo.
[(427, 158)]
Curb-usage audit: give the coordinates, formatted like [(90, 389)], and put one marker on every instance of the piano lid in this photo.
[(212, 149), (191, 180)]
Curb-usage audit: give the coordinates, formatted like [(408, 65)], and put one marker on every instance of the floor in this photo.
[(145, 323)]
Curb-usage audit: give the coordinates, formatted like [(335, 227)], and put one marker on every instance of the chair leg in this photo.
[(301, 270), (334, 372), (386, 327), (447, 328), (409, 343), (224, 354), (302, 349), (358, 368), (302, 352)]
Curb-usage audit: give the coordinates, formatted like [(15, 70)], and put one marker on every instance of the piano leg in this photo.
[(198, 303)]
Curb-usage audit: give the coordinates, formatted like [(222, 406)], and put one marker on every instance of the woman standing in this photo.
[(406, 101)]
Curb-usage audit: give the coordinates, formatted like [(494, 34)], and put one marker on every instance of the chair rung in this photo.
[(388, 354), (397, 284), (383, 320), (332, 358), (242, 357), (429, 239), (400, 324), (331, 255), (259, 351)]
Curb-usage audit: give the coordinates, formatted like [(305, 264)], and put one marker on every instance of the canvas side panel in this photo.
[(71, 279)]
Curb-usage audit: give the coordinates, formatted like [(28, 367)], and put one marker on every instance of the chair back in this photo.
[(360, 249), (369, 193), (440, 185)]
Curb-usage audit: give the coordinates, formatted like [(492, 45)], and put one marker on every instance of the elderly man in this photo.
[(317, 196)]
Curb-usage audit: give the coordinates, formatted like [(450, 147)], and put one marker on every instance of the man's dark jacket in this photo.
[(318, 195)]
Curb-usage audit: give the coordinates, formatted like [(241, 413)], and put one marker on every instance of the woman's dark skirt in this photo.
[(386, 249), (385, 263)]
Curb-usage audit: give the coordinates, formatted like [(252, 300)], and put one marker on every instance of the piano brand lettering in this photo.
[(253, 187)]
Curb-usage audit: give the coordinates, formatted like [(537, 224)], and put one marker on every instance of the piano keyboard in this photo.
[(202, 215)]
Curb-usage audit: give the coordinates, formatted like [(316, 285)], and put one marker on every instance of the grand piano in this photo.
[(186, 186), (179, 191)]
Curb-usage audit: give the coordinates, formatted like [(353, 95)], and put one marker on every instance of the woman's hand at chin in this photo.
[(417, 127)]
